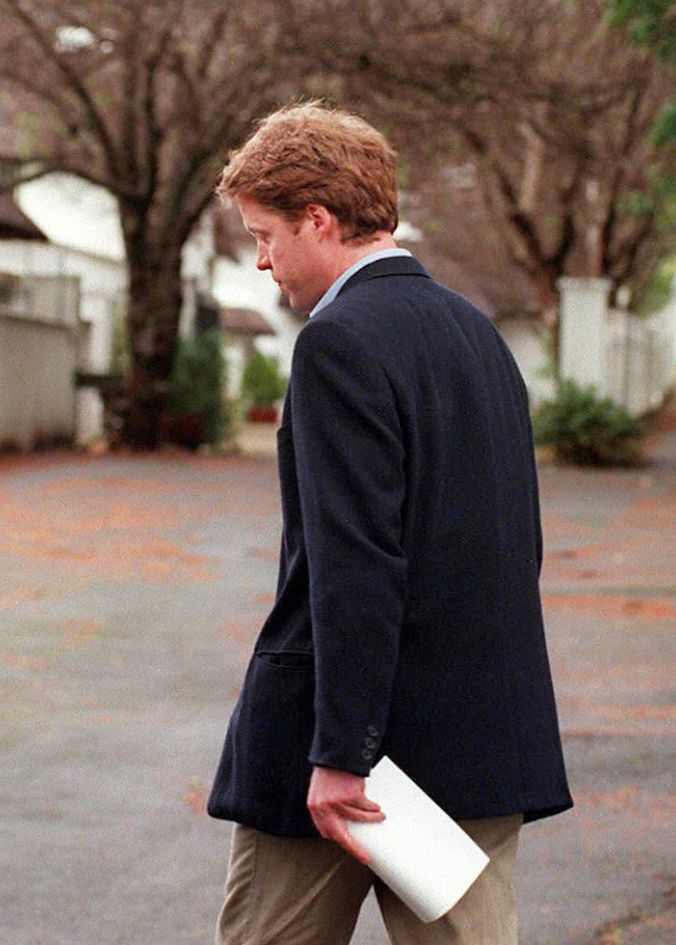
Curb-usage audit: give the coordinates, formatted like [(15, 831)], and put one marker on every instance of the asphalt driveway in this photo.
[(131, 589)]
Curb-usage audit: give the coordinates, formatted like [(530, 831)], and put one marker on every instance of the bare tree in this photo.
[(543, 107), (540, 107), (145, 98)]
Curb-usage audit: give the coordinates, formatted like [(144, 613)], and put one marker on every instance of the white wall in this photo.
[(37, 361), (529, 346), (103, 284), (83, 219), (82, 222)]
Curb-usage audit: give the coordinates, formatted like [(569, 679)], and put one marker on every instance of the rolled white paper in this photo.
[(418, 850)]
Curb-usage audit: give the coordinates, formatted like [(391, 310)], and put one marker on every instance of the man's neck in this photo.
[(348, 255), (351, 262)]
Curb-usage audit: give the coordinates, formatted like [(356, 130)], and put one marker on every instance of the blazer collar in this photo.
[(391, 266)]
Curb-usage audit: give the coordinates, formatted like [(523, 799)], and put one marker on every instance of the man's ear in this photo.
[(322, 219)]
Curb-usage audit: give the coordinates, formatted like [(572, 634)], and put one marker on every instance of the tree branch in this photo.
[(72, 81)]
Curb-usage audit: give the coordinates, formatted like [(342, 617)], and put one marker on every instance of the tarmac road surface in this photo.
[(131, 590)]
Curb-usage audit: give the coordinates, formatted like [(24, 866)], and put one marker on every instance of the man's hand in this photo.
[(336, 797)]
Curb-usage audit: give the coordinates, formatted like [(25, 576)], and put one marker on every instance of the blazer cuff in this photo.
[(358, 759)]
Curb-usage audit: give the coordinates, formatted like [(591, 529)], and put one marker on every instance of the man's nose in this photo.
[(262, 260)]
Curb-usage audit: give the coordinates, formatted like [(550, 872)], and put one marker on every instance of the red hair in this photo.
[(312, 154)]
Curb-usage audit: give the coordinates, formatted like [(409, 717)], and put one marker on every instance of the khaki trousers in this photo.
[(283, 891)]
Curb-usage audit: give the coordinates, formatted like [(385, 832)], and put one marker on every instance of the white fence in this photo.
[(625, 356), (639, 360)]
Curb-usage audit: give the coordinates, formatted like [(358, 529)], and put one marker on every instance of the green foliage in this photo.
[(262, 381), (638, 203), (651, 23), (235, 414), (587, 429), (549, 370), (664, 129), (658, 291), (197, 383), (659, 202)]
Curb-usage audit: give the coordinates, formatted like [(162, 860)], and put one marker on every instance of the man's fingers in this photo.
[(336, 797), (334, 827), (361, 814), (342, 835), (348, 806), (367, 804)]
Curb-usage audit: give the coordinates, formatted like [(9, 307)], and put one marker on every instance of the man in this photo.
[(407, 619)]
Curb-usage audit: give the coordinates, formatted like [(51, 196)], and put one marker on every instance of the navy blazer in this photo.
[(407, 618)]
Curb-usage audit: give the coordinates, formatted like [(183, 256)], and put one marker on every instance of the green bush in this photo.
[(197, 384), (587, 429), (262, 381)]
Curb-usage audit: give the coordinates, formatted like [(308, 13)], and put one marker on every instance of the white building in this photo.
[(85, 248)]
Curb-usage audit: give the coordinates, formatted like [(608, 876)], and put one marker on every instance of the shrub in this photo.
[(262, 381), (587, 429), (197, 383)]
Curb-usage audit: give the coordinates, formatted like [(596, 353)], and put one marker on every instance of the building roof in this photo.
[(14, 224), (245, 321)]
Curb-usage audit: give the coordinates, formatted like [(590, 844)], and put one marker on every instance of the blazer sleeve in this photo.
[(350, 468)]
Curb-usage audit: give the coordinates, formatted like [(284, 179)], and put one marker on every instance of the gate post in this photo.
[(583, 309)]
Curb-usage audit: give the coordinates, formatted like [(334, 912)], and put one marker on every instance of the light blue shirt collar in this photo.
[(334, 289)]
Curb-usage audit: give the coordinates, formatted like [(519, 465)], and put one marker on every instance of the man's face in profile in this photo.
[(294, 251)]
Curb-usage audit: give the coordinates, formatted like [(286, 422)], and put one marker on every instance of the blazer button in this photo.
[(366, 754), (370, 742), (373, 731)]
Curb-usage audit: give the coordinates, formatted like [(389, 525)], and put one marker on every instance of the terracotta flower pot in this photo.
[(259, 414)]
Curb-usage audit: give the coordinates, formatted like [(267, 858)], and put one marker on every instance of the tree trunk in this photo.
[(155, 300), (544, 281)]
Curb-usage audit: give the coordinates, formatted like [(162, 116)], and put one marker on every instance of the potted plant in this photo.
[(195, 410), (262, 385), (587, 429)]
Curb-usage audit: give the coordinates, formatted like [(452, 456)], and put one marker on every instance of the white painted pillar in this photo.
[(583, 308)]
